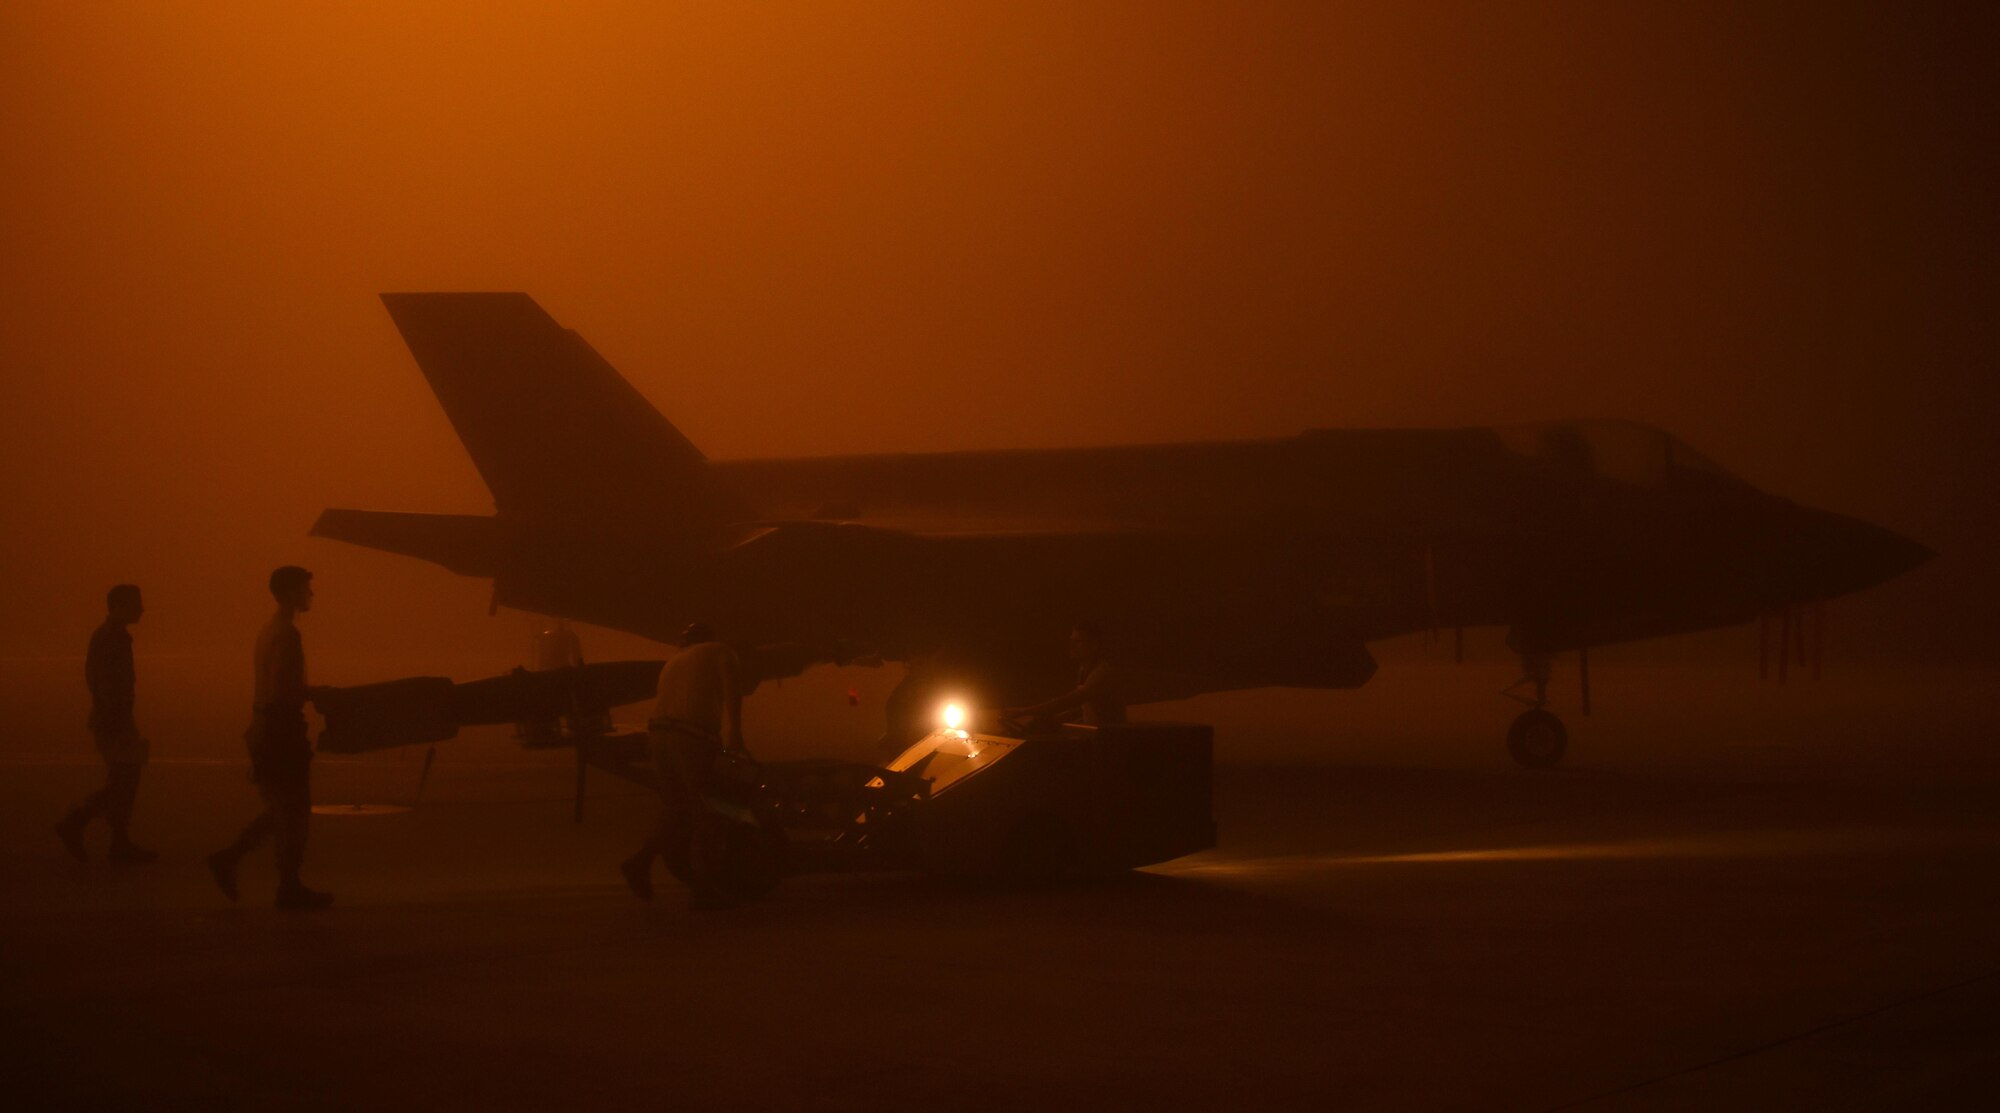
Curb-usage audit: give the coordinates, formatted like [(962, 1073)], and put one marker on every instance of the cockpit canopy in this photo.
[(1620, 451)]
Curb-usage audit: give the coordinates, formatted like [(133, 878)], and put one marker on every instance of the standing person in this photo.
[(698, 713), (280, 753), (108, 671), (553, 646)]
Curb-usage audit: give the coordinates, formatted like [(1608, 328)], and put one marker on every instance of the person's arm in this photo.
[(1093, 687), (96, 671), (106, 677), (292, 688), (1096, 687), (1061, 705)]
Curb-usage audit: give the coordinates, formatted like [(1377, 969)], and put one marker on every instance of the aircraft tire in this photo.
[(1537, 739)]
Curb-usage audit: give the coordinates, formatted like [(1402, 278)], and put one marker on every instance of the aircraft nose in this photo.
[(1845, 555)]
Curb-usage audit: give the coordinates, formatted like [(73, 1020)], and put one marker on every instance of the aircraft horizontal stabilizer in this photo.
[(466, 544)]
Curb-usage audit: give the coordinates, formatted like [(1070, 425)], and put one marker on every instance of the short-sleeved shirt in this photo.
[(281, 668), (108, 671), (694, 685), (1103, 702), (557, 648)]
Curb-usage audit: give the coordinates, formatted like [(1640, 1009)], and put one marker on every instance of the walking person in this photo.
[(109, 673), (280, 752)]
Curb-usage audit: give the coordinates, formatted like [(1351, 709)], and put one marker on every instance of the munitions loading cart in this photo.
[(1024, 804)]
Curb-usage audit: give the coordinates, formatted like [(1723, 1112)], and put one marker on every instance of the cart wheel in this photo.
[(1040, 848), (1537, 739)]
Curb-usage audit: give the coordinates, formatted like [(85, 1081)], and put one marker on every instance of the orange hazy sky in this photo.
[(818, 228)]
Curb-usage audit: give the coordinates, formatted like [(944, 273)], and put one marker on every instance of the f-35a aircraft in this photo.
[(1210, 566)]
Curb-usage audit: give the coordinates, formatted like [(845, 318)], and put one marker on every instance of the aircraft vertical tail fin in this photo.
[(554, 429)]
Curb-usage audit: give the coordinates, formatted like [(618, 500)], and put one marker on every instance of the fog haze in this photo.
[(827, 229)]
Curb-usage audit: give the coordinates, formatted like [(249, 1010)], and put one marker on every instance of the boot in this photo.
[(222, 866)]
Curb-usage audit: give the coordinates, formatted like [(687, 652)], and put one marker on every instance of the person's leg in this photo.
[(267, 825), (671, 788), (121, 795), (95, 804), (638, 868), (70, 828), (264, 775), (255, 833), (264, 740), (222, 863), (293, 805), (292, 815), (701, 837)]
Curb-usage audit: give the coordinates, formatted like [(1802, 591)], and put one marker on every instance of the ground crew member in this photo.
[(280, 752), (108, 671), (555, 646), (1096, 696), (699, 712)]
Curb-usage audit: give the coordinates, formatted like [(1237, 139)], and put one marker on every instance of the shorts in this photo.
[(682, 755), (121, 745), (280, 752)]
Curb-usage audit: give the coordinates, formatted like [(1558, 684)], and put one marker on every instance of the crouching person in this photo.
[(699, 713)]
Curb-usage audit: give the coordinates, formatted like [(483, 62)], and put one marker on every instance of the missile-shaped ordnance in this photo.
[(421, 709)]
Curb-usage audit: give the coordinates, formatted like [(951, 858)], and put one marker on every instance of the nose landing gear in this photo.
[(1537, 739)]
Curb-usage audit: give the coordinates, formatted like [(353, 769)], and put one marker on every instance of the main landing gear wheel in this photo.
[(1537, 739)]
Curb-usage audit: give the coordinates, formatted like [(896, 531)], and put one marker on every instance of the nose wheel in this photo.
[(1537, 739)]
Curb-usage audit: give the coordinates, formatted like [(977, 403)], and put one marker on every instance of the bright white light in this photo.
[(954, 716)]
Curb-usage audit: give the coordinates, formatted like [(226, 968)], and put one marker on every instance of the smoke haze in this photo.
[(844, 228)]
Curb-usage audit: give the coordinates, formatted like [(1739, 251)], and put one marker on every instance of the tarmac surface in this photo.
[(1797, 911)]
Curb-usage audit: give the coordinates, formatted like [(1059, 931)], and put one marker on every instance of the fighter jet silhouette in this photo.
[(1212, 566)]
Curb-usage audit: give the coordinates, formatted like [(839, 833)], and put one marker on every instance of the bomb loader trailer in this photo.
[(1015, 803)]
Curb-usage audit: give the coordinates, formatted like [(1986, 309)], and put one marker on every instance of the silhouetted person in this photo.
[(108, 671), (699, 712), (555, 646), (1096, 699), (280, 752)]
